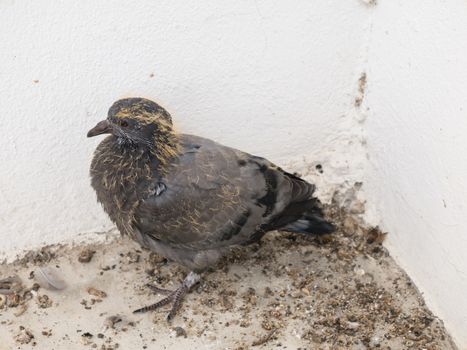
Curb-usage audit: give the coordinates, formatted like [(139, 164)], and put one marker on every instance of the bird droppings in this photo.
[(110, 321), (43, 301), (86, 255), (24, 336), (180, 332), (86, 338), (286, 292), (96, 292), (47, 332)]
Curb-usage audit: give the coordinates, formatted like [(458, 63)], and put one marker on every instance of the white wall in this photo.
[(417, 143), (271, 77)]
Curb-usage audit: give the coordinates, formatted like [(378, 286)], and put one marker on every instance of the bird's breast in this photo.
[(121, 180)]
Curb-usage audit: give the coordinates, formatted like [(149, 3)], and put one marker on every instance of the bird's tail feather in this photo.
[(312, 224), (312, 221)]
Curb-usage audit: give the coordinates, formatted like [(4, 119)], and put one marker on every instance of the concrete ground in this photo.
[(288, 292)]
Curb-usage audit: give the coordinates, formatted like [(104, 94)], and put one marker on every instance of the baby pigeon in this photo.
[(188, 198)]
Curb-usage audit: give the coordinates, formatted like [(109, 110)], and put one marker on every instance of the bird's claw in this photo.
[(176, 297), (158, 290)]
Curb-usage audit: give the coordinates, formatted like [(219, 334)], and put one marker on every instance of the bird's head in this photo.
[(135, 122)]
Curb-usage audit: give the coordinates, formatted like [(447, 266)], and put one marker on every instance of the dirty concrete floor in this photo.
[(288, 292)]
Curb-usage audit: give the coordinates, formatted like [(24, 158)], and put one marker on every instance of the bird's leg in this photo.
[(175, 297)]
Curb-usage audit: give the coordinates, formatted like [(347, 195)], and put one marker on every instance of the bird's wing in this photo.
[(216, 196)]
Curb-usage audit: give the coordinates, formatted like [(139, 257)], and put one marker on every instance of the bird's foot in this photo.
[(175, 297)]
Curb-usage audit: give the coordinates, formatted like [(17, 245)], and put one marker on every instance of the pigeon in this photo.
[(188, 198)]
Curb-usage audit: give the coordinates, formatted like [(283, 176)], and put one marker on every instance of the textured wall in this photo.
[(417, 142), (271, 77)]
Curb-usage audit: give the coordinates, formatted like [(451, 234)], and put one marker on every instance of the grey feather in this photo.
[(48, 279)]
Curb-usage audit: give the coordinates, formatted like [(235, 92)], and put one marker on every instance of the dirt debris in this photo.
[(265, 338), (39, 257), (3, 300), (288, 291), (24, 336), (44, 301), (10, 285), (111, 321), (156, 259), (20, 310), (362, 81)]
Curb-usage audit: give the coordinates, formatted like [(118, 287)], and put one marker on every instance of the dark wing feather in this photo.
[(216, 196)]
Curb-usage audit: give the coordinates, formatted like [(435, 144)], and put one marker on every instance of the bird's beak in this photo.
[(102, 127)]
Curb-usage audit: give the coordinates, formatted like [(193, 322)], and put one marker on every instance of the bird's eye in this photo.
[(123, 123)]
